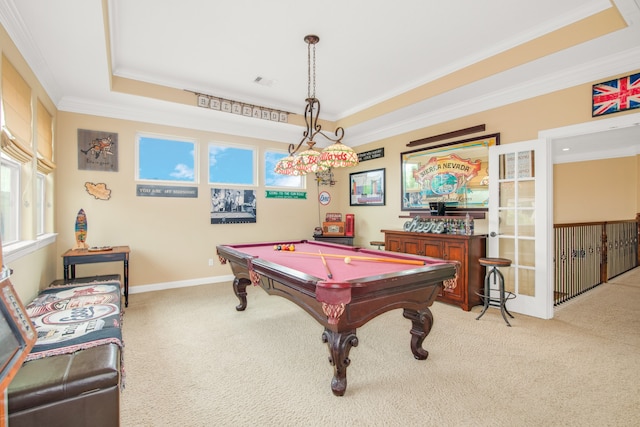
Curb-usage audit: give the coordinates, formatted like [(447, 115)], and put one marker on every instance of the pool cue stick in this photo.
[(326, 266), (366, 258)]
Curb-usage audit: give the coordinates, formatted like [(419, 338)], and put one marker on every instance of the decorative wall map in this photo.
[(99, 191)]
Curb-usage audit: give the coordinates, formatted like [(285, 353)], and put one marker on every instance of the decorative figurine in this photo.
[(81, 230)]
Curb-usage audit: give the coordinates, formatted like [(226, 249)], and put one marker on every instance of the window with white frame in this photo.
[(230, 164), (272, 179), (9, 200), (40, 204), (171, 160)]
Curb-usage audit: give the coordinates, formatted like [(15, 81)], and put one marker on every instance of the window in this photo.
[(166, 159), (272, 179), (40, 204), (9, 200), (232, 165)]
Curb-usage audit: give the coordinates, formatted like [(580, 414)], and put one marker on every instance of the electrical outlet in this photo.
[(210, 262)]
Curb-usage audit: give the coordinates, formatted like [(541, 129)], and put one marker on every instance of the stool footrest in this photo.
[(507, 295)]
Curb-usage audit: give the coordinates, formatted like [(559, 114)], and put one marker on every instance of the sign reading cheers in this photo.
[(235, 107), (424, 225)]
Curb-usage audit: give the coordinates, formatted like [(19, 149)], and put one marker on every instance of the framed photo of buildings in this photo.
[(233, 206)]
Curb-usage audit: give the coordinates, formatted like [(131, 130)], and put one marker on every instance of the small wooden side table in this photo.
[(72, 257), (342, 240)]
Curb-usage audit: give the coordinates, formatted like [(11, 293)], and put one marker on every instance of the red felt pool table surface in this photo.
[(306, 258)]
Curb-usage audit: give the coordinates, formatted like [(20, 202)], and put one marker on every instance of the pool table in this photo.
[(340, 294)]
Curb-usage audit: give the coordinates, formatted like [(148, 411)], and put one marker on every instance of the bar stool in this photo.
[(492, 265), (377, 243)]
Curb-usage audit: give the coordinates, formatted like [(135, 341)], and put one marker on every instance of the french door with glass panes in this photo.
[(521, 223)]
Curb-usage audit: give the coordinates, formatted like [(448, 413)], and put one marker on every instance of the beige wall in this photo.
[(638, 184), (34, 272), (516, 122), (172, 240), (596, 190)]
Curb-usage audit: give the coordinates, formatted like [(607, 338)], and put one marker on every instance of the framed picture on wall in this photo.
[(367, 188), (455, 173), (233, 206), (97, 150)]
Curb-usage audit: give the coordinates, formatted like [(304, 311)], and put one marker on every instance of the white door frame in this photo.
[(548, 136), (601, 125)]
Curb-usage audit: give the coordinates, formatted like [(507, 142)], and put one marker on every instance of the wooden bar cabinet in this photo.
[(465, 249)]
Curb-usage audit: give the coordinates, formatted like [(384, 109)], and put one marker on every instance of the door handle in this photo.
[(493, 234)]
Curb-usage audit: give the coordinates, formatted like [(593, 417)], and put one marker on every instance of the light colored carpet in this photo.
[(193, 360)]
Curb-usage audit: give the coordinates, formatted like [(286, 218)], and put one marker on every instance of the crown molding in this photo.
[(184, 116), (17, 30), (496, 91), (396, 123)]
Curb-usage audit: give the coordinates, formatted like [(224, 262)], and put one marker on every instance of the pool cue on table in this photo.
[(364, 258), (326, 267)]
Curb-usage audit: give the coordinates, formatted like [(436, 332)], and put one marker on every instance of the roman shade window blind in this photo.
[(16, 114), (45, 140)]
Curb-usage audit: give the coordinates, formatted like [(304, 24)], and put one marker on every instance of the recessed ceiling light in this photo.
[(566, 149)]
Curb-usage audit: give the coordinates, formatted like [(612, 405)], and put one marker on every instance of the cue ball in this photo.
[(347, 260)]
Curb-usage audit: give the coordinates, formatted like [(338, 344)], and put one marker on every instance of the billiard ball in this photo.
[(292, 247), (347, 260)]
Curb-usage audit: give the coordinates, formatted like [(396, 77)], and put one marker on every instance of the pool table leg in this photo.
[(339, 344), (422, 322), (240, 289)]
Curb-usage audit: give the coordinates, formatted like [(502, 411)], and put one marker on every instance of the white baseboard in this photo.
[(180, 284)]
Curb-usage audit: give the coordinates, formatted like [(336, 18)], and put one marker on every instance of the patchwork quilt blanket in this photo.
[(72, 318)]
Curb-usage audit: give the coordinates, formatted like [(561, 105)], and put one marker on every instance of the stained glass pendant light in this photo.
[(336, 155)]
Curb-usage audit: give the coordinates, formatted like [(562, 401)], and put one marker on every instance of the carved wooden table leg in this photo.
[(422, 322), (240, 289), (339, 344)]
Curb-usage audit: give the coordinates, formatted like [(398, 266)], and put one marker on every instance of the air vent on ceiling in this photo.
[(263, 81)]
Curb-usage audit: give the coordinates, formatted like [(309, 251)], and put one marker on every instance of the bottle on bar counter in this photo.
[(467, 225)]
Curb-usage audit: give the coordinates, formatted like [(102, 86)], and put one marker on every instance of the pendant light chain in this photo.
[(314, 70), (311, 75)]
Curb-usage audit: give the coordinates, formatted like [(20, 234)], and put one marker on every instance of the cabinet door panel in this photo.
[(433, 248), (394, 245), (412, 247), (456, 252)]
